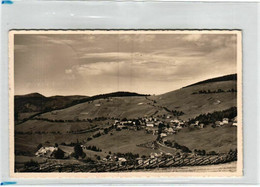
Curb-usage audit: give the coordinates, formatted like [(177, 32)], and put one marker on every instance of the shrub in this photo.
[(39, 146), (59, 154), (78, 151), (31, 163), (212, 153)]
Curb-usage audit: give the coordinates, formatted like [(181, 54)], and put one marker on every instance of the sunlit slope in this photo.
[(196, 104), (117, 107), (134, 107)]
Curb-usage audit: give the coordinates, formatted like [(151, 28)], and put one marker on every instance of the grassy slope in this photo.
[(45, 126), (114, 107), (130, 107), (124, 141), (194, 104), (220, 139)]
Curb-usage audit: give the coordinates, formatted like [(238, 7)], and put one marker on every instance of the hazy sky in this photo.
[(85, 64)]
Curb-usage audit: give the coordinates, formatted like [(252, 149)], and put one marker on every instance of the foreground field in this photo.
[(227, 167), (124, 141), (220, 139)]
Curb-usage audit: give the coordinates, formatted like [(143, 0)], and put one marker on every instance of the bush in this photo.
[(31, 163), (59, 154), (212, 153), (39, 146), (78, 151)]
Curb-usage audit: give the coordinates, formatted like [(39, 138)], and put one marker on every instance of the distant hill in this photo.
[(220, 94), (108, 95), (217, 79), (31, 104)]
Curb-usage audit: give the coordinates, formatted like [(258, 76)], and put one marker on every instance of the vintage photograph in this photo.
[(125, 103)]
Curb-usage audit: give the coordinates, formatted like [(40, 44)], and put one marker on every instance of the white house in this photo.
[(225, 120), (121, 161), (149, 125), (170, 131), (201, 125), (163, 135), (178, 127), (46, 151)]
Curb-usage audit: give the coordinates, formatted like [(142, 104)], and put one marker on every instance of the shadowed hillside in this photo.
[(232, 77), (29, 105)]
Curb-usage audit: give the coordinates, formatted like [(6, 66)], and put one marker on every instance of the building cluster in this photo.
[(225, 121)]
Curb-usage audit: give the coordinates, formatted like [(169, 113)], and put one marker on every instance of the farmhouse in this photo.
[(121, 161), (178, 127), (219, 123), (163, 135), (225, 120), (140, 161), (170, 131), (201, 125), (46, 152), (153, 130), (149, 125)]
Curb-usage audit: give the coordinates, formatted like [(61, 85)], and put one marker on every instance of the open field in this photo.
[(227, 167), (194, 104), (220, 139), (124, 141)]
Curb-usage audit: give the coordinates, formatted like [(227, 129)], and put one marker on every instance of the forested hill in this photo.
[(217, 79), (104, 96)]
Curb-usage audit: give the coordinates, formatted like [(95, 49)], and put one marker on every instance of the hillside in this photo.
[(194, 104), (232, 77), (28, 105), (139, 106)]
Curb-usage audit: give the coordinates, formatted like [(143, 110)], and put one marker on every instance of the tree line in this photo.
[(215, 116)]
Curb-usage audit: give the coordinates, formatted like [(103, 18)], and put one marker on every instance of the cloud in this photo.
[(68, 71), (93, 64)]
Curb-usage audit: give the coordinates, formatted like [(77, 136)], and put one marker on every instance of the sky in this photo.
[(91, 64)]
